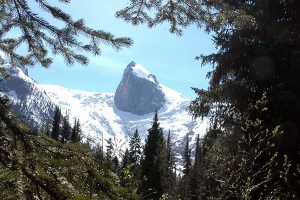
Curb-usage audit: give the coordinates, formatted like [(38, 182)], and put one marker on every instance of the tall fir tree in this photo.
[(196, 171), (258, 51), (76, 132), (135, 151), (31, 168), (187, 158), (55, 133), (115, 165), (124, 166), (154, 163), (170, 158), (185, 190), (109, 155), (126, 159), (66, 130), (47, 128), (29, 163), (171, 176)]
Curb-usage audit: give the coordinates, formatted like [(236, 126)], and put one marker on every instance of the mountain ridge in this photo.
[(28, 101), (100, 117)]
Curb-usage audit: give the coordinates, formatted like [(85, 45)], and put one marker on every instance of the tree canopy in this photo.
[(42, 38), (258, 51), (258, 54), (251, 150), (257, 41), (33, 165)]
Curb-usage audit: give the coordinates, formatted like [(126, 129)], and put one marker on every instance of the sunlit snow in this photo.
[(100, 117), (143, 73)]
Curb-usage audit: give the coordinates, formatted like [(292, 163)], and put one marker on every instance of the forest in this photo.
[(250, 151)]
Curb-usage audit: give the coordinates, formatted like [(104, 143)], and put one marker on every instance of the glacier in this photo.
[(99, 117)]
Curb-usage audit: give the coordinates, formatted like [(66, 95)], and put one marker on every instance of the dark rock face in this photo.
[(138, 93)]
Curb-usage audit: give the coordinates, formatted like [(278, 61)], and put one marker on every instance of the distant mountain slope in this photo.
[(98, 113), (29, 102)]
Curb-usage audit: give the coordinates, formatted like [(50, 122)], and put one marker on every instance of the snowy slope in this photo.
[(29, 102), (94, 110), (141, 72), (99, 115), (97, 112)]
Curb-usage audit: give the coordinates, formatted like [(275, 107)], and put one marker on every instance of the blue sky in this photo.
[(169, 57)]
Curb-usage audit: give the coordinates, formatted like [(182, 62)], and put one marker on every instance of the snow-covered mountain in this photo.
[(28, 101), (99, 114)]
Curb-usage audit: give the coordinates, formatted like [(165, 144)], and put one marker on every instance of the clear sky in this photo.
[(169, 57)]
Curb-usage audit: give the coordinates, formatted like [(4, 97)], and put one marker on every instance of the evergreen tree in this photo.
[(55, 133), (198, 153), (109, 156), (187, 158), (124, 165), (47, 129), (76, 132), (135, 152), (258, 51), (30, 167), (170, 157), (99, 157), (98, 153), (126, 159), (171, 176), (135, 156), (115, 164), (154, 163), (197, 170), (185, 192), (66, 130)]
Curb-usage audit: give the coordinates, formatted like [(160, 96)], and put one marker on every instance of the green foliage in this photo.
[(165, 197), (258, 53), (244, 164), (34, 165), (55, 133), (187, 158), (196, 174), (66, 130), (129, 178), (109, 151), (135, 152), (154, 163), (185, 180), (170, 180), (247, 153), (76, 132), (39, 36)]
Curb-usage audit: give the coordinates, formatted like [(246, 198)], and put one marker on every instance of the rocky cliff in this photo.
[(139, 92)]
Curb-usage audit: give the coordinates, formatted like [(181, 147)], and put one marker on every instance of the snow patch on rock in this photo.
[(143, 73)]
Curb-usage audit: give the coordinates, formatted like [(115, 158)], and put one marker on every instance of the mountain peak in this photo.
[(140, 72), (138, 92)]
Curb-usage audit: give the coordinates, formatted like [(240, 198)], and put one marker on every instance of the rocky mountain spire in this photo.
[(139, 91)]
